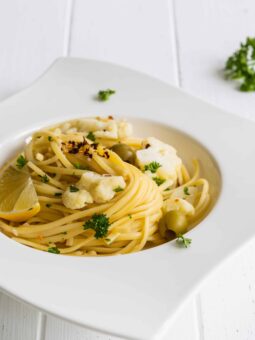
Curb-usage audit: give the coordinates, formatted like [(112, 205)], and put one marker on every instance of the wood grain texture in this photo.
[(17, 321), (32, 35), (136, 33), (208, 32)]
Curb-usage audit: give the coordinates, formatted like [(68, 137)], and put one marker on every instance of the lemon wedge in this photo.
[(18, 198)]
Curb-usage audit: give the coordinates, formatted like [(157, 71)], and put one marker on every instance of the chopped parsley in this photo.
[(91, 136), (130, 216), (152, 167), (44, 178), (158, 180), (183, 240), (104, 95), (50, 138), (99, 223), (53, 250), (118, 189), (79, 166), (21, 162), (48, 205), (57, 194), (64, 233), (73, 188), (241, 65), (186, 191)]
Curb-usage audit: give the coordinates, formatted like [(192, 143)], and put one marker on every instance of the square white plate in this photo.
[(134, 296)]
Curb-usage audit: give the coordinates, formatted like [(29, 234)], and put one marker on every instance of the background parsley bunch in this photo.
[(241, 65)]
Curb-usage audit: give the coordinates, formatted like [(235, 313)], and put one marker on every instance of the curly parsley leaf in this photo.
[(104, 95), (118, 189), (99, 223), (158, 180), (184, 241), (73, 188), (53, 250), (21, 162), (186, 191), (44, 178), (152, 167), (91, 136), (241, 65)]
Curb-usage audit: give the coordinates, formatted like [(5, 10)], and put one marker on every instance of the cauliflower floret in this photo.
[(187, 193), (88, 180), (102, 188), (125, 129), (76, 200), (39, 157), (104, 191), (179, 204), (163, 154), (101, 129)]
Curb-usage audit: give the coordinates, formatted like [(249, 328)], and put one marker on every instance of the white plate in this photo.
[(137, 295)]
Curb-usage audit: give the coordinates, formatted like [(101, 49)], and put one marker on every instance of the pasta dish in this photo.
[(88, 187)]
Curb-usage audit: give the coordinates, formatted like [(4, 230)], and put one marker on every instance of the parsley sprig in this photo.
[(99, 223), (104, 95), (91, 136), (158, 180), (152, 167), (44, 178), (73, 188), (241, 65), (21, 162), (53, 250), (184, 241), (118, 189)]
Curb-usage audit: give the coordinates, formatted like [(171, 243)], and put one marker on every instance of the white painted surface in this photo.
[(182, 42)]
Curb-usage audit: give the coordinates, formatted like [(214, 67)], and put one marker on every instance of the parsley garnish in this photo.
[(241, 65), (48, 205), (99, 223), (158, 180), (105, 95), (183, 240), (49, 138), (58, 194), (73, 188), (44, 178), (130, 216), (118, 189), (186, 191), (79, 166), (21, 162), (91, 136), (152, 167), (53, 250)]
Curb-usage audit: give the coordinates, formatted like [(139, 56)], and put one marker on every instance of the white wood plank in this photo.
[(228, 300), (57, 329), (208, 33), (136, 33), (31, 36), (17, 321)]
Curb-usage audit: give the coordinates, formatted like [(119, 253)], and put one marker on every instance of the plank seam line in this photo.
[(176, 45), (41, 326), (199, 317), (68, 27)]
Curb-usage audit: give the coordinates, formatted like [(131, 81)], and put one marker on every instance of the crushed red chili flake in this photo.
[(147, 146)]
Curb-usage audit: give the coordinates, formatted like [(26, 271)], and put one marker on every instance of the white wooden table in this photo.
[(183, 42)]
